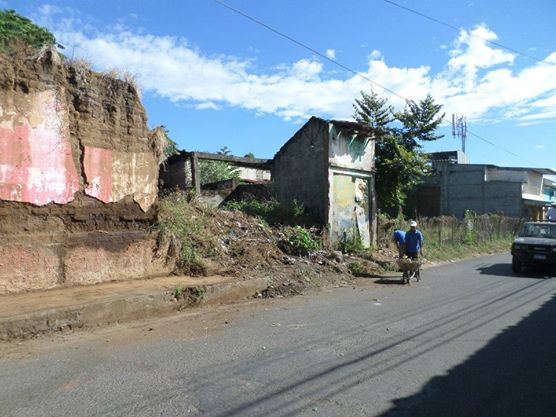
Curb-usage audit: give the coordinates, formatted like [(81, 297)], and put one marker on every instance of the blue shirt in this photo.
[(413, 241), (399, 236)]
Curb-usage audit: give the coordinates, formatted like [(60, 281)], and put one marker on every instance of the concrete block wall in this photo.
[(464, 188), (300, 168), (504, 197)]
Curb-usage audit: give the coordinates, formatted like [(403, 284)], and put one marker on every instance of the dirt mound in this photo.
[(230, 242)]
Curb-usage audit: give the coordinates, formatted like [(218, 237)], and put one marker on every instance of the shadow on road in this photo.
[(505, 270), (514, 375), (396, 280), (335, 377)]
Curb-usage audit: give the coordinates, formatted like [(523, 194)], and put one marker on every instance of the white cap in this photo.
[(413, 223)]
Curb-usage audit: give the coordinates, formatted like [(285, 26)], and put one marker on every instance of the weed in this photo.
[(352, 244), (178, 292), (356, 268), (199, 292), (179, 217), (190, 295), (263, 209), (273, 212), (298, 241)]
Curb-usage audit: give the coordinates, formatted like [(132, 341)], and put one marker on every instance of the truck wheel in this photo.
[(516, 265)]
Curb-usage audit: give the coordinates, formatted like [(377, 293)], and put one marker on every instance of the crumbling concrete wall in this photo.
[(352, 207), (300, 169), (78, 177), (328, 166)]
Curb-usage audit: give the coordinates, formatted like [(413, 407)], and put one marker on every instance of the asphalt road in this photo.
[(469, 340)]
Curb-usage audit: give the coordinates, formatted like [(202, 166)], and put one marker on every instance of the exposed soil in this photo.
[(232, 243), (83, 214), (102, 112)]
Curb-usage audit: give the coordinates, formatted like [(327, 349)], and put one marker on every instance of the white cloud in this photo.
[(539, 146), (478, 80), (375, 54), (331, 53)]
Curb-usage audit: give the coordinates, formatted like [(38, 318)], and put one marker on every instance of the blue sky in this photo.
[(217, 79)]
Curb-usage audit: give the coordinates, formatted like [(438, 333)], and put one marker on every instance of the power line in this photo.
[(440, 22), (283, 35), (357, 73), (505, 150)]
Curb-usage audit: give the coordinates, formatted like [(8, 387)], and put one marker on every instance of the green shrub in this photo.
[(273, 212), (215, 171), (356, 269), (177, 216), (352, 244), (298, 241)]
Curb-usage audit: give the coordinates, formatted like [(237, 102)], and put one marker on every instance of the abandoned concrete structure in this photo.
[(182, 171), (329, 167), (456, 187)]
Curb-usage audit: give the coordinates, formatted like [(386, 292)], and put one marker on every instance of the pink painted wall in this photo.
[(113, 175), (37, 165), (97, 163), (36, 162)]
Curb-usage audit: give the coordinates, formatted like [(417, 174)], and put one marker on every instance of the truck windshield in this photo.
[(538, 230)]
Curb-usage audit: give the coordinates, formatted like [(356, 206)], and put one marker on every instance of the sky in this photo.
[(215, 78)]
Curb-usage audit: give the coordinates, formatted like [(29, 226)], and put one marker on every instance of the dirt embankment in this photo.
[(100, 112), (232, 243), (78, 176)]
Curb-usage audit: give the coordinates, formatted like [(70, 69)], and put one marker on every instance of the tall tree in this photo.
[(400, 163), (419, 121)]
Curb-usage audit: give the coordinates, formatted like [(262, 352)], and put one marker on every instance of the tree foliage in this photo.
[(214, 171), (14, 27), (400, 163)]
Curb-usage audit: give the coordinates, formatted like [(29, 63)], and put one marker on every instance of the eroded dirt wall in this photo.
[(77, 174)]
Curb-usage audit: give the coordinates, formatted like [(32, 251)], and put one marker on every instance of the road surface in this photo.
[(469, 340)]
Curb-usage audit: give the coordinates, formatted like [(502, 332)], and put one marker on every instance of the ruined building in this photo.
[(329, 167)]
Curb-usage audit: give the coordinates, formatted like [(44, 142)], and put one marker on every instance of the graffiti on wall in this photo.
[(36, 162)]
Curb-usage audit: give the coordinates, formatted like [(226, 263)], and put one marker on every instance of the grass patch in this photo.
[(273, 212), (458, 250), (353, 244), (189, 224)]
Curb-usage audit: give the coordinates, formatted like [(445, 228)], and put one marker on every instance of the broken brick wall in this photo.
[(78, 176)]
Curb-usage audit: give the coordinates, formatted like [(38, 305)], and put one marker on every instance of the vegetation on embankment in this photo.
[(16, 28), (209, 240), (252, 235)]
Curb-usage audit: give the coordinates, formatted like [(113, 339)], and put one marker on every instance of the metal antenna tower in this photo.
[(459, 129)]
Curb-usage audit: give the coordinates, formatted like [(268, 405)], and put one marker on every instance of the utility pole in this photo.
[(459, 129)]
